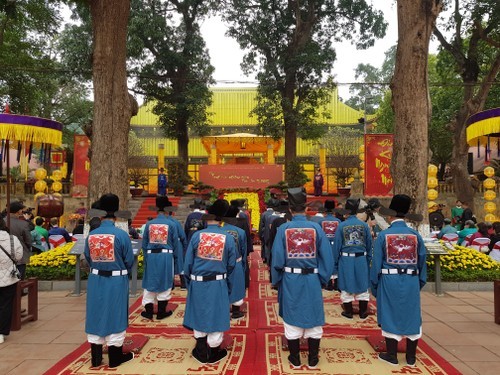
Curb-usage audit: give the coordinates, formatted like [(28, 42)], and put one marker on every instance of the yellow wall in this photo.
[(231, 107)]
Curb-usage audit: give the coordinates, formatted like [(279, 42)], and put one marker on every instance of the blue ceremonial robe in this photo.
[(108, 248), (210, 251), (352, 236), (162, 184), (398, 296), (301, 244), (329, 224), (159, 268), (238, 290)]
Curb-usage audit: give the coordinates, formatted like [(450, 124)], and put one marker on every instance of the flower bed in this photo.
[(465, 264), (58, 264), (461, 264), (255, 201)]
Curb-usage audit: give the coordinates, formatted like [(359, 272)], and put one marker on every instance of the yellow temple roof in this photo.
[(232, 107)]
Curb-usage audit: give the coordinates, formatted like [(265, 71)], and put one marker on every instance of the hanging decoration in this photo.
[(489, 184)]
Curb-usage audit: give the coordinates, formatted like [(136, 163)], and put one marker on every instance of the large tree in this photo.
[(26, 29), (410, 99), (172, 64), (474, 44), (291, 46), (113, 105)]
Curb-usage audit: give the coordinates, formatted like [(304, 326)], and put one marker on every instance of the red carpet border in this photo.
[(255, 343)]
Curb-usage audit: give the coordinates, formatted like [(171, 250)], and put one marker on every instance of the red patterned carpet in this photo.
[(255, 343)]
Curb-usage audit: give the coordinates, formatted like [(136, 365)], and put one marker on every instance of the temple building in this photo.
[(230, 116)]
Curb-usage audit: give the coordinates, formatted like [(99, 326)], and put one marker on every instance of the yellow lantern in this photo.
[(432, 194), (489, 183), (40, 185), (362, 180), (362, 157), (362, 149), (57, 186), (489, 171), (57, 195), (490, 207), (490, 217), (362, 165), (489, 195), (57, 175), (432, 182), (40, 173), (432, 170), (362, 173), (38, 195)]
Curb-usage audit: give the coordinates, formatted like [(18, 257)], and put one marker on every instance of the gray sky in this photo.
[(226, 55)]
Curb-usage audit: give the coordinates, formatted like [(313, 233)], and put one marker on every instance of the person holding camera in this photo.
[(11, 252), (20, 228)]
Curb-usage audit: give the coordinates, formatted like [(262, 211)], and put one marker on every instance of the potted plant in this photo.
[(178, 178), (295, 175), (138, 179), (205, 191)]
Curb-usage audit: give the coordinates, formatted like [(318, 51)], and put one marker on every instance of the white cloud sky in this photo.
[(226, 55)]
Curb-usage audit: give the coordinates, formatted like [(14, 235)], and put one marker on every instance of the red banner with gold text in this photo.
[(378, 155), (251, 176), (81, 166)]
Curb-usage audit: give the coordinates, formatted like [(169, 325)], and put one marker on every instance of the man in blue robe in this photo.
[(329, 223), (108, 251), (209, 263), (238, 290), (301, 263), (352, 250), (397, 274), (162, 182), (162, 257)]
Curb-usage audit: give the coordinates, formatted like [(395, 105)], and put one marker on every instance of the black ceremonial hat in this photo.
[(329, 205), (297, 198), (162, 204), (198, 203), (217, 210), (399, 207), (351, 207), (108, 206)]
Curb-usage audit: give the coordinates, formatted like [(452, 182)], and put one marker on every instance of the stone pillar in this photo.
[(161, 156), (212, 160), (270, 154)]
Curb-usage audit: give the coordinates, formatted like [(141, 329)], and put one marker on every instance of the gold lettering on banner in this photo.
[(243, 179)]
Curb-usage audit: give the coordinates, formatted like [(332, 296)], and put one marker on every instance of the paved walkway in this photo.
[(459, 326)]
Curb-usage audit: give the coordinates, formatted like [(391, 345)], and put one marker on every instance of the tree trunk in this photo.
[(459, 158), (112, 105), (183, 140), (290, 120), (411, 102)]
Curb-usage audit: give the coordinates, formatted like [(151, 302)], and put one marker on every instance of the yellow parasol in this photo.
[(24, 132)]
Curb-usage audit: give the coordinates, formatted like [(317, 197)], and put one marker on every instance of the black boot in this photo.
[(363, 310), (200, 351), (347, 313), (162, 310), (216, 354), (391, 356), (236, 313), (294, 357), (117, 357), (148, 311), (183, 282), (329, 285), (411, 352), (313, 353), (96, 351)]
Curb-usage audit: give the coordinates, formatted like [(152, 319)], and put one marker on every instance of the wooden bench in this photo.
[(32, 285)]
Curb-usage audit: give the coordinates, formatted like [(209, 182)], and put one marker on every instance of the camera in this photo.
[(370, 208), (15, 273)]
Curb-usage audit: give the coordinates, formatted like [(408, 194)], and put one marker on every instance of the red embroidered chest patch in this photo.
[(329, 227), (300, 243), (211, 246), (401, 249), (158, 234), (102, 247)]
